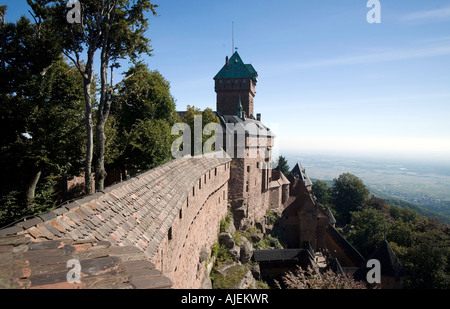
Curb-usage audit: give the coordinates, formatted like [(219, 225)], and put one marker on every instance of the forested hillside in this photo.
[(422, 244)]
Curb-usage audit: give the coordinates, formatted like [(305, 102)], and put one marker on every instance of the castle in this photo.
[(156, 230)]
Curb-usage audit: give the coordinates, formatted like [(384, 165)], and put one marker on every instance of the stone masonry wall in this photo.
[(229, 91), (250, 179), (195, 228)]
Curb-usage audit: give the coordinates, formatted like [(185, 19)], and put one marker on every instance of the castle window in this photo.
[(200, 184), (205, 178), (193, 191), (169, 234), (181, 214), (215, 171), (209, 174), (187, 201), (257, 164), (248, 169)]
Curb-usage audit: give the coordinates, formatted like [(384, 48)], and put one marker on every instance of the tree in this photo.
[(378, 204), (369, 228), (40, 112), (348, 194), (116, 28), (47, 146), (427, 261), (143, 114), (282, 166), (207, 117), (321, 191)]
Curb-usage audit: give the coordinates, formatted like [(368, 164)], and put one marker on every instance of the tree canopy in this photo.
[(348, 194), (282, 165), (421, 244)]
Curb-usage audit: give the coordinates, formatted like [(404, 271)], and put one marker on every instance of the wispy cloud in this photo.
[(429, 15), (387, 55)]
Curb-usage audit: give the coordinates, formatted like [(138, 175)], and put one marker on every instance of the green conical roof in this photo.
[(237, 69)]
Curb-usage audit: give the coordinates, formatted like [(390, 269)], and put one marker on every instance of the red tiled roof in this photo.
[(44, 265)]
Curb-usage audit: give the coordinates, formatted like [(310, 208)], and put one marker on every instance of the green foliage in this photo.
[(321, 191), (272, 217), (45, 196), (41, 111), (149, 142), (268, 242), (368, 228), (421, 244), (347, 195), (226, 222), (207, 117), (282, 165), (140, 127), (425, 253), (234, 276)]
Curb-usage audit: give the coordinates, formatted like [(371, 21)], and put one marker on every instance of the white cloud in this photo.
[(430, 15), (384, 56), (387, 55)]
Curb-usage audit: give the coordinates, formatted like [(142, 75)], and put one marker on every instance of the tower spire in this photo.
[(232, 37)]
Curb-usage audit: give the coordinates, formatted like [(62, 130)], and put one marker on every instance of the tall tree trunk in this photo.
[(102, 117), (100, 172), (90, 136), (31, 189)]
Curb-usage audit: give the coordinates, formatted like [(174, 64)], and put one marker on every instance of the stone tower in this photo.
[(235, 83)]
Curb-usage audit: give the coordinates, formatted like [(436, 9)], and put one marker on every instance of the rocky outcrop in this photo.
[(234, 276)]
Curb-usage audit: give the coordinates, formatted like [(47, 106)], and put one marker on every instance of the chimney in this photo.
[(258, 117)]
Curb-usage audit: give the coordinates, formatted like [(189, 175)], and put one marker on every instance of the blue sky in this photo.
[(329, 82)]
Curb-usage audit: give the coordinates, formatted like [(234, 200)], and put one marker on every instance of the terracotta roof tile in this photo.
[(43, 265)]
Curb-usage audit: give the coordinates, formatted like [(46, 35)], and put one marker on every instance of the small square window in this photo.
[(170, 236)]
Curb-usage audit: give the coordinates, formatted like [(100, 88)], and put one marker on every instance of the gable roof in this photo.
[(390, 265), (235, 68), (301, 173), (302, 255), (250, 126)]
